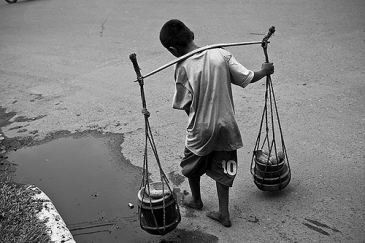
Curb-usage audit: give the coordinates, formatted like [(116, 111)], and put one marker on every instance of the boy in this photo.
[(203, 91)]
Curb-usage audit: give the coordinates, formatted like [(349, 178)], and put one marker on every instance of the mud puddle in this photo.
[(89, 182)]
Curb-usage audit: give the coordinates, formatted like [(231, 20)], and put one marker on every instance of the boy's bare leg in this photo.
[(222, 216), (194, 200)]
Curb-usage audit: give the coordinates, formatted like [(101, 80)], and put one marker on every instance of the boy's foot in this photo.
[(223, 220), (189, 202)]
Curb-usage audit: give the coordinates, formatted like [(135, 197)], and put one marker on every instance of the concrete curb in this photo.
[(58, 230)]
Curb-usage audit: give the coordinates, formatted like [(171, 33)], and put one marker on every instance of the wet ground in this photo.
[(89, 184)]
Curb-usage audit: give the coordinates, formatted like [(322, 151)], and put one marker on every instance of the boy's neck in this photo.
[(191, 47), (179, 51)]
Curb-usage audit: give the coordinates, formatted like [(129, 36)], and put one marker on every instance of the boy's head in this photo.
[(174, 33)]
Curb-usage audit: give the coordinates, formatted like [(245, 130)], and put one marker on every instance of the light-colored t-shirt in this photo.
[(203, 88)]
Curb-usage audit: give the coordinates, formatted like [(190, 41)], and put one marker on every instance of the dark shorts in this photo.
[(221, 166)]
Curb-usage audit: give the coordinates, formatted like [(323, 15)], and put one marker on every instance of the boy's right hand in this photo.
[(268, 68)]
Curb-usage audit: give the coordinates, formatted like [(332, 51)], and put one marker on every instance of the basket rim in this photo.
[(148, 199)]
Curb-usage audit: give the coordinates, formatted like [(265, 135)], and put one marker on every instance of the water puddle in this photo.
[(89, 182)]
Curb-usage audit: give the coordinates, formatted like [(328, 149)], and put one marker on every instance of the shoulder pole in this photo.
[(195, 52)]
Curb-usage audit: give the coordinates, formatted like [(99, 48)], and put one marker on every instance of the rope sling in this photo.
[(269, 164), (158, 209)]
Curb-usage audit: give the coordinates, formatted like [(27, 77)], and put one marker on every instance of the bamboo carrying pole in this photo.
[(197, 51), (140, 77)]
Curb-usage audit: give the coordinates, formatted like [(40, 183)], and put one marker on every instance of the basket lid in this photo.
[(155, 193)]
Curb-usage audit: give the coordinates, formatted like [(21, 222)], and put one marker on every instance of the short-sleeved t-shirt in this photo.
[(203, 88)]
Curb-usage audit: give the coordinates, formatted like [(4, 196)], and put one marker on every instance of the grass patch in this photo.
[(18, 220)]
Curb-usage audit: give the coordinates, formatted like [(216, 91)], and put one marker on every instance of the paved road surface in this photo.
[(65, 64)]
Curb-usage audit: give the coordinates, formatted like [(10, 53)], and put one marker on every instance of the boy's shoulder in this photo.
[(213, 55), (219, 55), (223, 52)]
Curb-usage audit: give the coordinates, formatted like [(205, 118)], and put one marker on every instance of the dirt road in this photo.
[(65, 66)]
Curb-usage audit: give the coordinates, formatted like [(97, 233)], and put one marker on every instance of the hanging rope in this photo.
[(148, 133), (269, 176), (161, 224)]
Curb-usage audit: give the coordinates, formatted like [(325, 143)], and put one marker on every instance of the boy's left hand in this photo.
[(268, 68)]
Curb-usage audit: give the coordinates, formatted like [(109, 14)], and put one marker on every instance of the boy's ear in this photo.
[(174, 51)]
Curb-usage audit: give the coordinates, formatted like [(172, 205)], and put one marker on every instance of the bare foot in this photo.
[(189, 202), (223, 220)]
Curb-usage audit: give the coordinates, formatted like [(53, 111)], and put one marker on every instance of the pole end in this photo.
[(133, 57), (265, 40)]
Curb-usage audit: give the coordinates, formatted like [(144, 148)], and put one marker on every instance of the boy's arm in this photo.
[(266, 69)]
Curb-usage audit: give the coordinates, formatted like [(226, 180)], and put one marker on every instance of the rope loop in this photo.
[(146, 113)]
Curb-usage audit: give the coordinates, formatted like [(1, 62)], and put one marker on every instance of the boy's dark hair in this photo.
[(175, 33)]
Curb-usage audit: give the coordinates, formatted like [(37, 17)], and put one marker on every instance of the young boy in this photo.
[(203, 91)]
